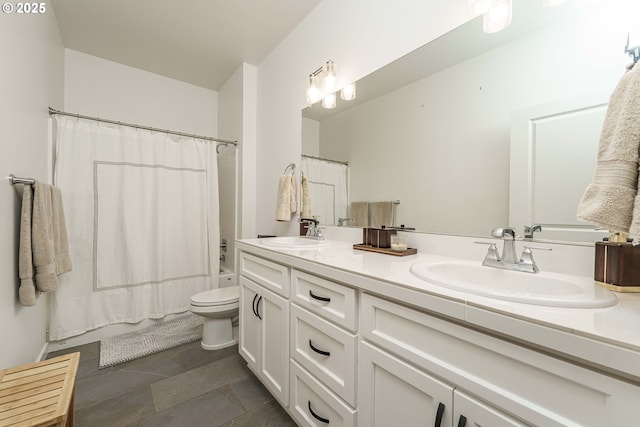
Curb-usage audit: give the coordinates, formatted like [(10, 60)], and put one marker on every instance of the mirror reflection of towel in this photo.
[(305, 198), (360, 214), (381, 214)]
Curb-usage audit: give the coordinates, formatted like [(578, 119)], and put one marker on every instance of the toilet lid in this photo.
[(220, 296)]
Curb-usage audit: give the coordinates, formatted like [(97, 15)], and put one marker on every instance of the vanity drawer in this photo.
[(325, 350), (311, 400), (271, 275), (330, 300)]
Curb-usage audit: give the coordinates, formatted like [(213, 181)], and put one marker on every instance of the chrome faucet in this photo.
[(509, 247), (341, 221), (509, 260), (313, 231)]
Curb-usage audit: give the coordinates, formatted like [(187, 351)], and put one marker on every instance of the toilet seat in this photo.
[(216, 297)]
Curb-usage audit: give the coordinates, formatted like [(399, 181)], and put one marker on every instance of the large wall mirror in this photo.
[(447, 130)]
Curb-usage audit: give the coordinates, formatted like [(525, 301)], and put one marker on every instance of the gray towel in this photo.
[(48, 237), (60, 241), (27, 292), (611, 200), (381, 214), (360, 214)]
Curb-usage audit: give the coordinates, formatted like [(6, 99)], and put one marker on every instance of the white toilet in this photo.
[(219, 307)]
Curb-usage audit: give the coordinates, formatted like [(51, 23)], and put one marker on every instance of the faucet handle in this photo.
[(508, 233), (492, 252), (527, 257)]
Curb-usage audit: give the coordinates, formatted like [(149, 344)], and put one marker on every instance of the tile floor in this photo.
[(183, 386)]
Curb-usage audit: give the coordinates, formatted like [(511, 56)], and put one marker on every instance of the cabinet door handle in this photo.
[(253, 305), (319, 298), (317, 350), (316, 416), (258, 308), (462, 421), (439, 414)]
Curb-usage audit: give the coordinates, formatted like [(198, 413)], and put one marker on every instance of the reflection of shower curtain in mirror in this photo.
[(328, 187), (142, 209)]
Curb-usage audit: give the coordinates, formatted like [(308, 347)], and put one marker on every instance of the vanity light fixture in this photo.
[(329, 70), (322, 85), (348, 93), (479, 7), (497, 13), (313, 92), (329, 101), (498, 17)]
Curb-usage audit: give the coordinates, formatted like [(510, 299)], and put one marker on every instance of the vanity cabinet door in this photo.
[(393, 393), (470, 412), (249, 325), (264, 336)]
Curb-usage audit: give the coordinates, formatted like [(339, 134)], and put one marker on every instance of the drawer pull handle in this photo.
[(317, 350), (324, 299), (253, 305), (439, 414), (462, 421), (316, 416), (258, 308)]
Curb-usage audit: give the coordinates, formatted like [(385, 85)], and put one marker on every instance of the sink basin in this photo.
[(294, 242), (540, 289)]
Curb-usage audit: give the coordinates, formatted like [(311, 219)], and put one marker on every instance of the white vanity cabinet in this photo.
[(264, 322), (339, 348), (486, 380), (323, 351)]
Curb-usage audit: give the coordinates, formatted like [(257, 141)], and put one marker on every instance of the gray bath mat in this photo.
[(132, 345)]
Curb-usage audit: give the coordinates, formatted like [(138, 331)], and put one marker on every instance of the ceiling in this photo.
[(201, 42)]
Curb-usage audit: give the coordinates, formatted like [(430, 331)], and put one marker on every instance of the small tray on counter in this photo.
[(388, 251)]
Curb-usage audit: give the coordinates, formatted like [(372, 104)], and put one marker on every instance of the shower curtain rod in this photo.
[(326, 160), (171, 132)]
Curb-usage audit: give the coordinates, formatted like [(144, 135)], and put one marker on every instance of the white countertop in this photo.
[(607, 338)]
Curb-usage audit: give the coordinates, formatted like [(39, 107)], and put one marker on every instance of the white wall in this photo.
[(31, 80), (360, 36), (229, 127), (106, 89), (441, 145)]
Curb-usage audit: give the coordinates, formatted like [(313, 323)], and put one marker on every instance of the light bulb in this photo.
[(329, 69), (498, 17), (478, 7), (313, 93), (348, 93), (329, 101)]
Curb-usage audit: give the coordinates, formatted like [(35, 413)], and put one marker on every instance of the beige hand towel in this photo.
[(27, 292), (285, 199), (305, 198), (381, 214), (48, 237), (42, 239), (611, 200), (60, 241), (360, 214), (293, 205)]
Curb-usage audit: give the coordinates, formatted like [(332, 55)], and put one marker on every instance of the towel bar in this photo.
[(16, 180)]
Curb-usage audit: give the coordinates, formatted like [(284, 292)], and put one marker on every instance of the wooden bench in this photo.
[(39, 394)]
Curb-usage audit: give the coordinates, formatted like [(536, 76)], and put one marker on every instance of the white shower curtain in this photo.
[(328, 188), (142, 216)]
